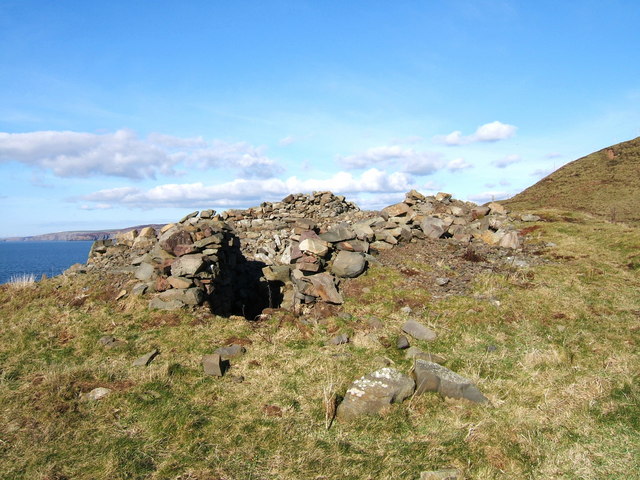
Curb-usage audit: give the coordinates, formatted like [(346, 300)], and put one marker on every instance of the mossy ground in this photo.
[(554, 347)]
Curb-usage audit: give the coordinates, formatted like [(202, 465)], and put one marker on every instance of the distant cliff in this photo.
[(77, 235)]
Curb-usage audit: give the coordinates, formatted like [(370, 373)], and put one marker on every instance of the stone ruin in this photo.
[(289, 254)]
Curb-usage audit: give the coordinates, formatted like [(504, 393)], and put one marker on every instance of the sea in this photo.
[(40, 258)]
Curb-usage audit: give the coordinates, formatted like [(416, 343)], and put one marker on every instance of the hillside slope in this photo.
[(605, 183)]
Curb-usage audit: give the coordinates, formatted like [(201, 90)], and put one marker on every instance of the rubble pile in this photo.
[(288, 254)]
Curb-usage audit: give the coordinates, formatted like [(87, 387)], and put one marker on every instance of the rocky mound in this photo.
[(605, 183), (289, 254)]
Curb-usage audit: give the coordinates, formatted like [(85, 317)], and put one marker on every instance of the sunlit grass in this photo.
[(554, 347)]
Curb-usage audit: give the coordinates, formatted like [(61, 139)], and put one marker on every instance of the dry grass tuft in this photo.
[(22, 280)]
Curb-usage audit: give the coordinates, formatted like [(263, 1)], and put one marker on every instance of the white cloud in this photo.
[(407, 160), (506, 161), (98, 206), (124, 154), (489, 132), (288, 140), (553, 155), (488, 196), (458, 164), (542, 172), (242, 192)]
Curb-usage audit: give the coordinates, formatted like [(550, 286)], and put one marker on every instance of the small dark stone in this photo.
[(230, 351), (338, 339), (403, 342)]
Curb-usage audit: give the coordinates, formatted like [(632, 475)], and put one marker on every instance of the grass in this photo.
[(562, 377)]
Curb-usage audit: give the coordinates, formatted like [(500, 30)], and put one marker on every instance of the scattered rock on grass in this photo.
[(214, 365), (146, 359), (417, 353), (446, 474), (230, 351), (109, 341), (402, 342), (419, 331), (338, 339), (96, 394), (373, 392), (431, 377)]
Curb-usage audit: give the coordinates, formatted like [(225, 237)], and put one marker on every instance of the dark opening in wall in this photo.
[(240, 287)]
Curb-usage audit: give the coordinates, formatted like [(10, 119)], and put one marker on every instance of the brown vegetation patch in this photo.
[(162, 319), (528, 230)]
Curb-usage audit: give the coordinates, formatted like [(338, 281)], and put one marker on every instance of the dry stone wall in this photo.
[(288, 254)]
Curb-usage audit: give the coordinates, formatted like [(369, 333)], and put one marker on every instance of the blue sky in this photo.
[(120, 113)]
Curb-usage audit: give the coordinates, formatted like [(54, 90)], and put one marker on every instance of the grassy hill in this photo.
[(554, 346), (605, 183)]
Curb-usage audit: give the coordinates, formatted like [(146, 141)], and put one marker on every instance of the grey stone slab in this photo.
[(431, 377), (419, 331), (214, 365), (230, 351), (146, 359)]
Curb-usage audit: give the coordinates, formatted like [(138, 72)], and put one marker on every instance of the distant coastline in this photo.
[(75, 236)]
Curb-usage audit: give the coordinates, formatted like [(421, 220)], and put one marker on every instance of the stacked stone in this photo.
[(440, 216), (306, 243), (264, 230), (312, 264)]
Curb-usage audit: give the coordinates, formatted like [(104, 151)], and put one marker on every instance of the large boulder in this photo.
[(510, 240), (338, 234), (126, 238), (145, 239), (348, 264), (398, 210), (371, 393), (174, 237), (325, 288), (432, 227), (187, 265), (188, 296), (315, 246), (144, 272)]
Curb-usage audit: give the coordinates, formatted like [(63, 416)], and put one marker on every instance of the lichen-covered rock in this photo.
[(371, 393)]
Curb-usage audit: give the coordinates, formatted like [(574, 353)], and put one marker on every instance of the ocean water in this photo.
[(50, 258)]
